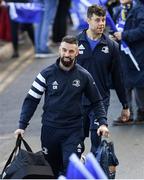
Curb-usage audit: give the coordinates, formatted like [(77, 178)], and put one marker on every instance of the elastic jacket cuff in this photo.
[(103, 121), (22, 126)]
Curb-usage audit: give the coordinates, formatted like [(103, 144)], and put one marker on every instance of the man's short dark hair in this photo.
[(97, 10), (70, 39)]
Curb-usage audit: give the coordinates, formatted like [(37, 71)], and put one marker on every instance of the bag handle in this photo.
[(17, 146), (109, 138), (21, 140)]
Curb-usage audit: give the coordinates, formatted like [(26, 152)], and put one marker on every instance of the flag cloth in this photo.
[(94, 167), (77, 170), (26, 12)]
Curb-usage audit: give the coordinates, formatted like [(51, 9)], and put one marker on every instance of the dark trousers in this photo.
[(15, 27), (88, 119), (137, 95), (58, 145), (60, 22)]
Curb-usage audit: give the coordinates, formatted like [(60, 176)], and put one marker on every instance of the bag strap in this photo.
[(19, 141), (108, 139), (27, 147), (17, 148)]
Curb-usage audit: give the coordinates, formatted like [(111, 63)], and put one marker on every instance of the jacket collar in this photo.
[(82, 37)]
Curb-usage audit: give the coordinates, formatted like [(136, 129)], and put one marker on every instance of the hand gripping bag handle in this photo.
[(16, 148), (21, 140)]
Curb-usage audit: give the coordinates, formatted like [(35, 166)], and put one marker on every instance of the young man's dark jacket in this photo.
[(62, 102), (102, 62)]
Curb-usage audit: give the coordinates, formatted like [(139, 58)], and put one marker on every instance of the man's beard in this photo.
[(67, 63)]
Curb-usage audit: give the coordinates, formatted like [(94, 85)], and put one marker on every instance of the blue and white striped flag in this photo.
[(94, 167), (77, 170)]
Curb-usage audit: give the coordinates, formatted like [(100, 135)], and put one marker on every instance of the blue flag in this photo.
[(26, 12), (94, 168), (77, 170)]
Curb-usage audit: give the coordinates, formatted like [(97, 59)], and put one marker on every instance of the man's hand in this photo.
[(118, 35), (19, 131), (103, 130), (125, 114), (112, 37)]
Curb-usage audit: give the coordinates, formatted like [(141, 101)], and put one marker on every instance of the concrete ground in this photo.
[(5, 50)]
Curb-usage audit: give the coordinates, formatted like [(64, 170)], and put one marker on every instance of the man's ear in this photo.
[(77, 53), (88, 20)]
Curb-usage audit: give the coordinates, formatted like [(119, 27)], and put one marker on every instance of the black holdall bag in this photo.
[(107, 158), (25, 164)]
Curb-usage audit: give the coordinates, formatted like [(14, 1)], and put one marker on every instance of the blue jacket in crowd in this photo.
[(63, 92), (133, 35)]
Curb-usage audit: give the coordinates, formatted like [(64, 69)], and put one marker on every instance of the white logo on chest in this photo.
[(105, 49), (81, 48), (55, 85), (76, 83)]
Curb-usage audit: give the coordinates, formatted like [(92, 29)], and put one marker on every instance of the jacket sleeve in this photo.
[(32, 100), (117, 75), (93, 94), (136, 30)]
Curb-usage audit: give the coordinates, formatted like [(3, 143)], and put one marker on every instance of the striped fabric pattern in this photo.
[(123, 16), (38, 87)]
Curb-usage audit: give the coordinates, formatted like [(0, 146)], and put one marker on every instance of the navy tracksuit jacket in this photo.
[(62, 102), (102, 63)]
